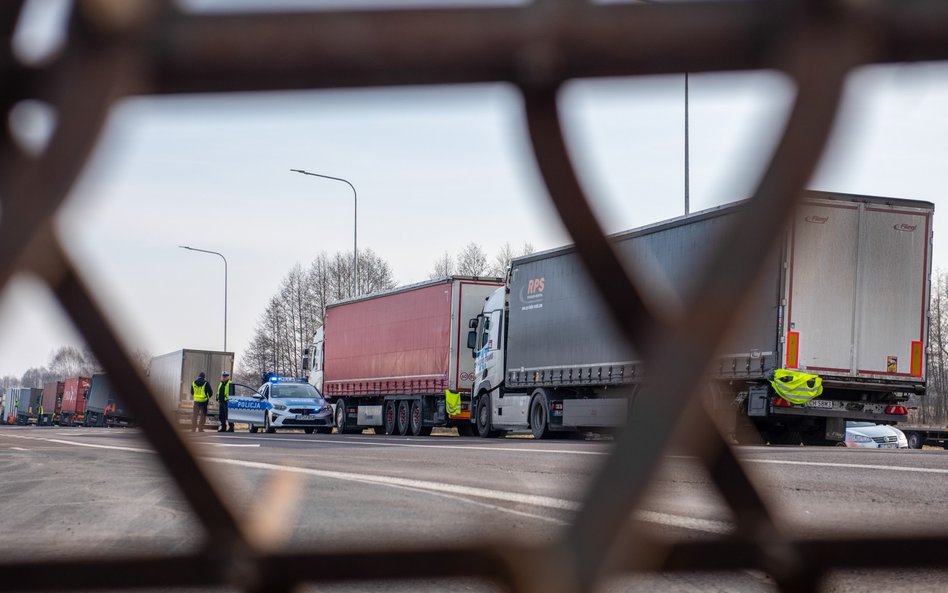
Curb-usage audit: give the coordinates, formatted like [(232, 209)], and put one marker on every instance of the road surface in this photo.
[(72, 491)]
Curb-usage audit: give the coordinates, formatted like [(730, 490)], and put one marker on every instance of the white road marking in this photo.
[(231, 445), (436, 487), (371, 443), (894, 468), (19, 449)]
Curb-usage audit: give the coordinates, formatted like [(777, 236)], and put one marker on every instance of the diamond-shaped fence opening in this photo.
[(119, 49)]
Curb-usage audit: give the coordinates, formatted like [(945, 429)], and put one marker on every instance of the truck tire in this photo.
[(404, 418), (539, 418), (484, 429), (340, 415), (389, 416), (416, 421), (915, 440)]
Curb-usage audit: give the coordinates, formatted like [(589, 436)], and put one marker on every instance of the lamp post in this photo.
[(225, 284), (355, 226)]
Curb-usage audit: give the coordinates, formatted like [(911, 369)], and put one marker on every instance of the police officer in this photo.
[(200, 393), (224, 391)]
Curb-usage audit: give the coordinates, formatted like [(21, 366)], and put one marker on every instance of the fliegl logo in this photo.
[(531, 294), (905, 228)]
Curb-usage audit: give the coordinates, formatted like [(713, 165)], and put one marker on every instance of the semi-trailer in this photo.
[(171, 375), (75, 395), (396, 361), (9, 406), (104, 407), (29, 400), (843, 296), (52, 403)]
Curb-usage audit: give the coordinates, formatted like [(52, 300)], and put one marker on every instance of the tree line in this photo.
[(932, 408), (64, 362)]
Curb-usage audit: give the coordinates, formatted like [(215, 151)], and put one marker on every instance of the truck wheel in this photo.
[(389, 415), (539, 418), (483, 417), (404, 417), (417, 423), (341, 416), (914, 440)]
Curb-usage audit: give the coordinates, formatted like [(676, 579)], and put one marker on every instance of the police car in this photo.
[(282, 403)]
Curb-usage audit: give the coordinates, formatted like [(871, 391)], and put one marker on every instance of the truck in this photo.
[(75, 395), (844, 296), (395, 361), (29, 400), (104, 407), (171, 375), (52, 403), (9, 406)]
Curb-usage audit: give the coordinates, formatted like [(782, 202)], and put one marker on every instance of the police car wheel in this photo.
[(266, 422), (253, 429)]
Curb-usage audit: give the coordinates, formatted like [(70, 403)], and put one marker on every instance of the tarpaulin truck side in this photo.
[(396, 361), (105, 407), (29, 400), (844, 296)]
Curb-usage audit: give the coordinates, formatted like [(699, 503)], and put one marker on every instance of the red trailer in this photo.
[(75, 395), (52, 403), (397, 361)]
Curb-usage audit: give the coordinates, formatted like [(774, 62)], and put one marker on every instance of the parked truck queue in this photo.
[(834, 331)]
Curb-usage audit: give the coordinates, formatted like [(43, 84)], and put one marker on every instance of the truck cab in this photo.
[(487, 339)]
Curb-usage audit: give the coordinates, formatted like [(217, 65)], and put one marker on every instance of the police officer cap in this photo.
[(225, 373), (201, 375)]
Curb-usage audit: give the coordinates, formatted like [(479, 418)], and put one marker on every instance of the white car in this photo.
[(869, 435), (282, 403)]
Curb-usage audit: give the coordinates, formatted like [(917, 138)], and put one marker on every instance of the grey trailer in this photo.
[(844, 295), (28, 401), (9, 406), (104, 407), (171, 375)]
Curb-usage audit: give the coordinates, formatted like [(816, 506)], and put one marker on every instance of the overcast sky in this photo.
[(435, 168)]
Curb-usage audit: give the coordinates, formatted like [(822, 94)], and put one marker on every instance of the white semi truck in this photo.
[(845, 296)]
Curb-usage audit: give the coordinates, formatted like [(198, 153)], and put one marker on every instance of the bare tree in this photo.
[(502, 260), (443, 267), (472, 261), (296, 311)]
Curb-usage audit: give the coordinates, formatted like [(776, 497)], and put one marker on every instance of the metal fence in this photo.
[(116, 49)]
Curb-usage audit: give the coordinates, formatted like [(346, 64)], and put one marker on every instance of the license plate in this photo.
[(817, 403), (306, 417), (889, 446)]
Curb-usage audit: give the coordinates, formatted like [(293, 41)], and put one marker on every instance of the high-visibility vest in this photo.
[(226, 387), (452, 402), (200, 392), (796, 387)]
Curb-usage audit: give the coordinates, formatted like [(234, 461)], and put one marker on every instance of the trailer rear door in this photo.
[(857, 290)]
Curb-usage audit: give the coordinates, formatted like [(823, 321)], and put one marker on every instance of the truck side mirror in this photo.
[(472, 323), (472, 340), (306, 360)]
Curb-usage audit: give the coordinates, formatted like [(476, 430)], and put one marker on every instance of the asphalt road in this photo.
[(100, 491)]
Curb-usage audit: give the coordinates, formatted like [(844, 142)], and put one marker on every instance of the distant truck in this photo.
[(52, 403), (171, 375), (75, 395), (844, 295), (395, 361), (28, 402), (104, 407), (8, 406)]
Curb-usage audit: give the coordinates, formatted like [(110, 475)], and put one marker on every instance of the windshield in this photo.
[(853, 424), (294, 390)]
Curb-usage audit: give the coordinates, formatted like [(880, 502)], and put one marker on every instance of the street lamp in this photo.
[(225, 284), (355, 227)]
